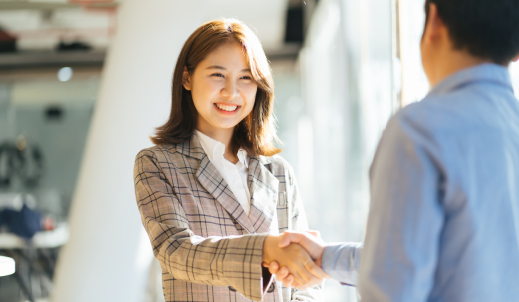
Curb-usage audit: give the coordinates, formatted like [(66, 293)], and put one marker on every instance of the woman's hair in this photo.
[(256, 132)]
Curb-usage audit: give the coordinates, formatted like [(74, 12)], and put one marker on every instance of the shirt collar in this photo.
[(215, 149), (487, 72)]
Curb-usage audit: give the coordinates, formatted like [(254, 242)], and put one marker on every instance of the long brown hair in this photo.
[(256, 132)]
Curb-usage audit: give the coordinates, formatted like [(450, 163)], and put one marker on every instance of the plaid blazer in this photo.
[(209, 250)]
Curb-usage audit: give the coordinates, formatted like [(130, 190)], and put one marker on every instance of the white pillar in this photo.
[(108, 255)]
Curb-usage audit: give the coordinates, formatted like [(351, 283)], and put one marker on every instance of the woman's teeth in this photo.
[(226, 108)]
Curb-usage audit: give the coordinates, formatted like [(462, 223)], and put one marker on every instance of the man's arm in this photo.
[(400, 253), (402, 244), (341, 262)]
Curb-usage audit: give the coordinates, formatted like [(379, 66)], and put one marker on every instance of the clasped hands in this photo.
[(295, 257)]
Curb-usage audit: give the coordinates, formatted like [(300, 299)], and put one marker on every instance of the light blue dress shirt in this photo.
[(444, 215)]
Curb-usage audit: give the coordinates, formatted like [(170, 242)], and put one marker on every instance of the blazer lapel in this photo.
[(264, 187), (214, 183)]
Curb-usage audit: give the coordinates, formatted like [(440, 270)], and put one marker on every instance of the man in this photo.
[(444, 217)]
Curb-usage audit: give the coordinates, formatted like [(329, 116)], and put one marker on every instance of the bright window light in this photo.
[(514, 74)]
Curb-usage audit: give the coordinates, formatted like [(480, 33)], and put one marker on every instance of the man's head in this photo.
[(478, 30)]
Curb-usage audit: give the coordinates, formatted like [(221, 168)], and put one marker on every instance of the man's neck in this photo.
[(451, 62)]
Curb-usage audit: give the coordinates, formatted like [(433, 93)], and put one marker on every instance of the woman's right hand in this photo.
[(298, 262), (282, 274)]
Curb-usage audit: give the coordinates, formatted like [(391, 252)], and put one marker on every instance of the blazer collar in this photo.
[(263, 186), (191, 147), (213, 182)]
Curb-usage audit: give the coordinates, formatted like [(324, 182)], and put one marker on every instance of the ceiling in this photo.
[(42, 24)]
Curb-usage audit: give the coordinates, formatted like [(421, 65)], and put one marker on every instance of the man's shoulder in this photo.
[(461, 110)]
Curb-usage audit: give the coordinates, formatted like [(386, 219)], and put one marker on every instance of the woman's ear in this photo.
[(186, 79)]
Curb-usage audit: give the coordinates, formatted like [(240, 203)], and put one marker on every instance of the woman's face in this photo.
[(222, 88)]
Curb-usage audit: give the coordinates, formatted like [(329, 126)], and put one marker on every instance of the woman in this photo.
[(213, 187)]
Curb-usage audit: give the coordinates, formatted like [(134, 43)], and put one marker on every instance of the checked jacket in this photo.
[(209, 250)]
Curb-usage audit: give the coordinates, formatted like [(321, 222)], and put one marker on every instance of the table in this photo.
[(41, 240), (28, 253), (7, 266)]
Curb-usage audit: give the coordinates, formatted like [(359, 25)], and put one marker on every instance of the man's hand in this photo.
[(311, 241), (304, 271)]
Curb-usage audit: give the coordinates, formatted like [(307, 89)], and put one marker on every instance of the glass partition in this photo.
[(45, 115), (347, 89), (49, 111)]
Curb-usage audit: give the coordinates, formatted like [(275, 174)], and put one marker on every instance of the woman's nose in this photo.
[(230, 90)]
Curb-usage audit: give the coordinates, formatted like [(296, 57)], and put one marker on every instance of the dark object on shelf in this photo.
[(73, 46), (54, 113), (295, 25), (7, 42)]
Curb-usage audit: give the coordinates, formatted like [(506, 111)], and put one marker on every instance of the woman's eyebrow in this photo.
[(223, 68), (216, 67)]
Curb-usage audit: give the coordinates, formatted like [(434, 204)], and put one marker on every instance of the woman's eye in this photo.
[(217, 75), (247, 78)]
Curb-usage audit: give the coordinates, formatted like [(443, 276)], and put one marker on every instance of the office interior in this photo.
[(84, 83)]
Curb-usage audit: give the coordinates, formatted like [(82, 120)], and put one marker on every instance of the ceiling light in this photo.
[(65, 74)]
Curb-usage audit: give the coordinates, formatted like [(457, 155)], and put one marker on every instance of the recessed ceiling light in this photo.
[(65, 74)]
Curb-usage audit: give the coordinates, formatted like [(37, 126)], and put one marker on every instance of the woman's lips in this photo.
[(227, 109)]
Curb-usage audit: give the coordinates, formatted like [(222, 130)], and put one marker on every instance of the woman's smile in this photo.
[(226, 108)]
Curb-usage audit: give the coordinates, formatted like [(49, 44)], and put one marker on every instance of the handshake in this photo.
[(295, 257)]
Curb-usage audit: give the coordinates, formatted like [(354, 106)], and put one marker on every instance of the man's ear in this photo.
[(516, 59), (434, 25), (186, 79)]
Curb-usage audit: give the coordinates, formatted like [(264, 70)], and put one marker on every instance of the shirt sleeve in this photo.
[(220, 261), (341, 262), (402, 241)]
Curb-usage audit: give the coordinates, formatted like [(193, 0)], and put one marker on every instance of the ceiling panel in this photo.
[(44, 28)]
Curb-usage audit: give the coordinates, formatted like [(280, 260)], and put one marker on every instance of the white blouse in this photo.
[(235, 175)]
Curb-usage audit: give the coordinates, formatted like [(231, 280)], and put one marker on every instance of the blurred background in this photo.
[(83, 84)]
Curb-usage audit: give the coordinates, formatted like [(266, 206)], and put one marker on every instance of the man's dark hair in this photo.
[(485, 28)]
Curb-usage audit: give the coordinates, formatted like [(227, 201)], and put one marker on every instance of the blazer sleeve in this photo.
[(300, 223), (220, 261)]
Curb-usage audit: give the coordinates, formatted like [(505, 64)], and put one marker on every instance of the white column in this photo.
[(108, 255)]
